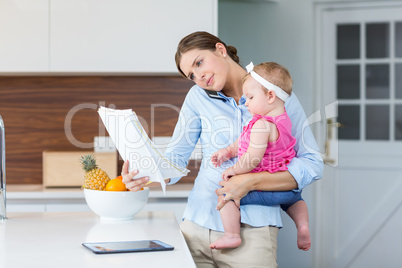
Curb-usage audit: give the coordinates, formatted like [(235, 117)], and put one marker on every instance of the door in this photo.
[(360, 197)]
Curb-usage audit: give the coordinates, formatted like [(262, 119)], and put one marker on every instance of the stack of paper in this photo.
[(134, 145)]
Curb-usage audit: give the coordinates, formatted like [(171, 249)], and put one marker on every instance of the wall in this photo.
[(281, 31), (273, 31), (35, 110)]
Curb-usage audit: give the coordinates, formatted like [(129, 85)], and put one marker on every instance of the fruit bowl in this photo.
[(114, 205)]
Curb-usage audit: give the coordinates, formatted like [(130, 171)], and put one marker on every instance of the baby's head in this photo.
[(266, 85), (275, 74)]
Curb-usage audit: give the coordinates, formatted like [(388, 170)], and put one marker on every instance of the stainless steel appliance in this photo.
[(3, 214)]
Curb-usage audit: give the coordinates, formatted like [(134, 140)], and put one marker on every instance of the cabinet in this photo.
[(123, 35), (24, 36), (98, 36)]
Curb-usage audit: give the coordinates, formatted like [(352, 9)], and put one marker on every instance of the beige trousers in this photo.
[(258, 247)]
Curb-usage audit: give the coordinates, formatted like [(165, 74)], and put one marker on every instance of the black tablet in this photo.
[(127, 246)]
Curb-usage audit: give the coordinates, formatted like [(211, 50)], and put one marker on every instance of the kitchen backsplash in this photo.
[(60, 114)]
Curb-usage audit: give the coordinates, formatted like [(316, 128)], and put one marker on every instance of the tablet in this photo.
[(127, 246)]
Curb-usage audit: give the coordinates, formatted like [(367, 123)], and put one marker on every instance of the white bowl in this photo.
[(113, 205)]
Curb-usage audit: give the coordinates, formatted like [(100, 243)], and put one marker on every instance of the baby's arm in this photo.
[(259, 138), (225, 154)]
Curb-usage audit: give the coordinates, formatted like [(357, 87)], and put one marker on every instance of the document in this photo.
[(134, 145)]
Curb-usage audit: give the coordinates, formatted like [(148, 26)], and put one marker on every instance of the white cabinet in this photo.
[(96, 36), (24, 35), (124, 35)]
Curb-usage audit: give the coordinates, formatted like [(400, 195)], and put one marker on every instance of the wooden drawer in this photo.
[(63, 169)]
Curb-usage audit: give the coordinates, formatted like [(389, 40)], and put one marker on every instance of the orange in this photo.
[(116, 185)]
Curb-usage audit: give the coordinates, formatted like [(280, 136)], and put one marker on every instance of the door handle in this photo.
[(328, 159), (330, 125)]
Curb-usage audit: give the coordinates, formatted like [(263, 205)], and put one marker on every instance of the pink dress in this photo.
[(279, 153)]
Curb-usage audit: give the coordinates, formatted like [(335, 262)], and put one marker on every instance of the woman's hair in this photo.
[(202, 41), (276, 74)]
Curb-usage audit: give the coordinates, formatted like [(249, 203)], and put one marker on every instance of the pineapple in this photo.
[(95, 178)]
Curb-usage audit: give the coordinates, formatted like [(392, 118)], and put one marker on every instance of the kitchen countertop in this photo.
[(38, 191), (55, 240)]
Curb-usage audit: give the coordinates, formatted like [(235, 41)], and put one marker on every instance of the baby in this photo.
[(266, 144)]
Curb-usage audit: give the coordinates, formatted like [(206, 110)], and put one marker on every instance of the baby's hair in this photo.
[(274, 73), (202, 41)]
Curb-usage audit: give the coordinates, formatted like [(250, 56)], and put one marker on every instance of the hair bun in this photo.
[(232, 52)]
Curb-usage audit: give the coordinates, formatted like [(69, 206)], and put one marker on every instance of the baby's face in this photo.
[(256, 97)]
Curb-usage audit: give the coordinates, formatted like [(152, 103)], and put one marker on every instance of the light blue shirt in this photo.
[(218, 122)]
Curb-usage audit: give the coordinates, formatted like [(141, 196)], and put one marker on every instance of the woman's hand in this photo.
[(234, 189), (132, 185), (238, 186), (228, 173)]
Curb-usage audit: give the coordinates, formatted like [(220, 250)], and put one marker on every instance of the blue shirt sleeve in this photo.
[(185, 135), (307, 166)]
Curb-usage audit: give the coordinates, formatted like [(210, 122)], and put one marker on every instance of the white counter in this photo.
[(55, 240)]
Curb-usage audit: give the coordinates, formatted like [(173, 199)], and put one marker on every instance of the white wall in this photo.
[(281, 31), (273, 31)]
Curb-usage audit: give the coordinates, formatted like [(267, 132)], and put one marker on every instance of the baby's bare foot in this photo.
[(303, 237), (227, 241)]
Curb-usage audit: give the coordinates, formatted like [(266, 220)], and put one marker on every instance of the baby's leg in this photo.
[(299, 214), (230, 215)]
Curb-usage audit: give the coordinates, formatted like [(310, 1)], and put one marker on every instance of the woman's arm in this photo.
[(186, 133), (185, 136), (304, 169), (238, 186), (307, 166)]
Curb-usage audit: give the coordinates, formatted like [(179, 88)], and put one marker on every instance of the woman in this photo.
[(214, 113)]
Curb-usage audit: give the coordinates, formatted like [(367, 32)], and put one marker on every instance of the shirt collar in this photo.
[(219, 95), (242, 100)]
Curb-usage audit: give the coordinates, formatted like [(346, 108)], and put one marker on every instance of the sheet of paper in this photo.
[(134, 145)]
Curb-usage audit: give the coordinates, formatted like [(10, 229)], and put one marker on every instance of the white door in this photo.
[(360, 197)]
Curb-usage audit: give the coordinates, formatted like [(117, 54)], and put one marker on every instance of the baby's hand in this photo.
[(220, 156), (228, 173)]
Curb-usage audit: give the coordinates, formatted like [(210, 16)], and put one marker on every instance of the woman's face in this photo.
[(208, 69)]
